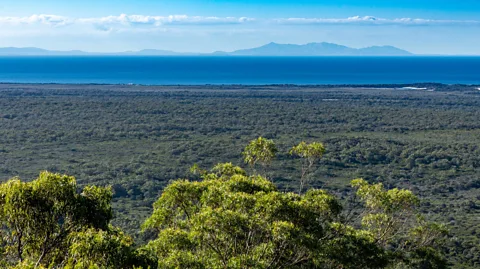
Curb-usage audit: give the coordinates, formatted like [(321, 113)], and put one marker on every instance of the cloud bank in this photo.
[(53, 20), (124, 20), (128, 22), (370, 20)]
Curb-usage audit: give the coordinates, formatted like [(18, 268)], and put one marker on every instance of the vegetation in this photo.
[(310, 153), (232, 220), (390, 218), (138, 138), (227, 220), (47, 222), (260, 151)]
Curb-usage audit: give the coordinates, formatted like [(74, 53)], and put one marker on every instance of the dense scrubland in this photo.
[(139, 138)]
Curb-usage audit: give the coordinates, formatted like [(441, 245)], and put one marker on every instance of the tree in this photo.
[(260, 151), (391, 217), (310, 153), (93, 248), (228, 220), (232, 220), (41, 220)]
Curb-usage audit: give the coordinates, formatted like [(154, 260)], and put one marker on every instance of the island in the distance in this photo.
[(270, 49)]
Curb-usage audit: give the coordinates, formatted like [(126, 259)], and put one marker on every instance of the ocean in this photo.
[(239, 70)]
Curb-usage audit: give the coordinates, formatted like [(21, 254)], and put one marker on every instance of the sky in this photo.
[(420, 26)]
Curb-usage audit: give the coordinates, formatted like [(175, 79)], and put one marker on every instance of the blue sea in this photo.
[(240, 70)]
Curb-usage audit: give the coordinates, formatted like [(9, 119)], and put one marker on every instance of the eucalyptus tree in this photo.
[(260, 151), (43, 221), (233, 220), (93, 248), (310, 154), (392, 219)]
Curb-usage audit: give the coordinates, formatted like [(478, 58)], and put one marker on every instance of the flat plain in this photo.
[(138, 138)]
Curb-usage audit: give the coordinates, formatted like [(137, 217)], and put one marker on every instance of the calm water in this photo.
[(240, 70)]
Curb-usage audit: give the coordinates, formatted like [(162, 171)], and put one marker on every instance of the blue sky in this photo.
[(421, 26)]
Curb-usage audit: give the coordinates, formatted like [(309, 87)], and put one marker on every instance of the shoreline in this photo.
[(404, 86), (66, 88)]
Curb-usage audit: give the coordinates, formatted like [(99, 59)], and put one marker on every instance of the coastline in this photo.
[(403, 86), (19, 89)]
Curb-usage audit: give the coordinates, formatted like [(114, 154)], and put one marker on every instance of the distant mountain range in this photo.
[(43, 52), (271, 49), (319, 49)]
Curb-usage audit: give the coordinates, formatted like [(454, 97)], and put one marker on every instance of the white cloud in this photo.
[(123, 21), (53, 20), (142, 23), (128, 21), (369, 20)]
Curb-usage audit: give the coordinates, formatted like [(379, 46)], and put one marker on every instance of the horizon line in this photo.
[(218, 53)]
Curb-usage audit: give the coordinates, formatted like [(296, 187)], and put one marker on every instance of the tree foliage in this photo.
[(42, 221), (390, 216), (138, 138), (260, 150), (228, 219), (96, 249), (310, 154), (233, 220)]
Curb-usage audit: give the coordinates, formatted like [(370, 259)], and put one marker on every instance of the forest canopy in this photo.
[(229, 218), (138, 138)]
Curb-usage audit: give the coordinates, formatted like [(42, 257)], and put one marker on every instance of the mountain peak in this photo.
[(319, 49), (272, 44)]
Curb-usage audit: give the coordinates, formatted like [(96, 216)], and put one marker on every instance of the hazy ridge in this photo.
[(271, 49)]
